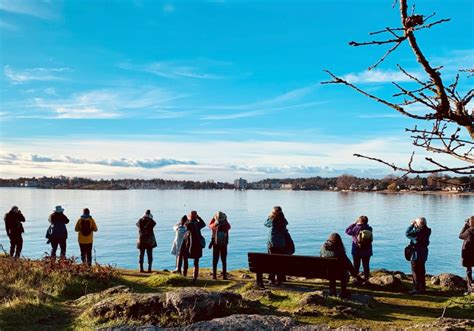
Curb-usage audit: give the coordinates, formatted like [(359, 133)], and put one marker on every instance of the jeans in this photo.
[(418, 272), (365, 264), (86, 253), (54, 247), (469, 279), (219, 251), (16, 245), (149, 255)]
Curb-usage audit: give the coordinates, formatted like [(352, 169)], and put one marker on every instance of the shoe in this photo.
[(468, 293), (414, 291)]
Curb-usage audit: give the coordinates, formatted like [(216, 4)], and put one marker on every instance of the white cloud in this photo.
[(192, 69), (379, 76), (35, 8), (107, 103), (38, 74), (220, 160)]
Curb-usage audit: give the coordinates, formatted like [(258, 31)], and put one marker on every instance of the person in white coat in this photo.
[(180, 229)]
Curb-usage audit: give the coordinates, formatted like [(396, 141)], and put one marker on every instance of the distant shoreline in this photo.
[(387, 192)]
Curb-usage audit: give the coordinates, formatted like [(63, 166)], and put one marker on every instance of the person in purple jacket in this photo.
[(361, 233)]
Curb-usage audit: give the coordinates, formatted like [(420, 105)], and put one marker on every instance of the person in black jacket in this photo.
[(57, 232), (146, 239), (14, 229), (334, 247), (193, 243), (467, 253)]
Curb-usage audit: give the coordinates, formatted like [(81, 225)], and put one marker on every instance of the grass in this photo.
[(41, 294)]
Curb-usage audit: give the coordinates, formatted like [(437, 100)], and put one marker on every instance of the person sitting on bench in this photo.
[(333, 247)]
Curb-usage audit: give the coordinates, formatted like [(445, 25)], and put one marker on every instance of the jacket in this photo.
[(193, 238), (13, 225), (328, 249), (467, 252), (353, 230), (276, 235), (223, 226), (146, 236), (180, 230), (85, 239), (58, 230), (420, 239)]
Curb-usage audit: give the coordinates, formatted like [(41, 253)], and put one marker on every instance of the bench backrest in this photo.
[(295, 265)]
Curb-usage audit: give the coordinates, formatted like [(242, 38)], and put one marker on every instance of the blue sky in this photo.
[(207, 89)]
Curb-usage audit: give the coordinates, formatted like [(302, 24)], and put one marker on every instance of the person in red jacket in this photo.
[(220, 227)]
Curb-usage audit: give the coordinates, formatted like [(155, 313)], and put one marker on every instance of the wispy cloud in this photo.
[(36, 8), (378, 76), (34, 74), (192, 69), (108, 103), (7, 26)]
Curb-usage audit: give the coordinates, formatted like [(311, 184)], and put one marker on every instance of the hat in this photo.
[(220, 216), (59, 209)]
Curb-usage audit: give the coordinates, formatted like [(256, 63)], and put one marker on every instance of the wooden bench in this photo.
[(294, 265)]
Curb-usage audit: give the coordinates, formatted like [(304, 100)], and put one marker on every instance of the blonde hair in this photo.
[(220, 216), (421, 221)]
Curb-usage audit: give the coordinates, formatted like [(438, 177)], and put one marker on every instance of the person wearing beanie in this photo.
[(85, 227), (220, 227)]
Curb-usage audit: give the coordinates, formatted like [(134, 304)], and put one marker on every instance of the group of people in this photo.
[(189, 243)]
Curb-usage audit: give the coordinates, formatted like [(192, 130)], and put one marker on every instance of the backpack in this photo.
[(364, 238), (86, 227), (220, 239)]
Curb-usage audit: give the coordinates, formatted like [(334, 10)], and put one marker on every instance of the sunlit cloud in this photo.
[(34, 74)]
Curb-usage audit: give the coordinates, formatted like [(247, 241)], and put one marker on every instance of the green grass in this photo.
[(38, 295)]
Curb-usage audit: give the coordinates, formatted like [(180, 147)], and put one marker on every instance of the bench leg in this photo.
[(260, 280)]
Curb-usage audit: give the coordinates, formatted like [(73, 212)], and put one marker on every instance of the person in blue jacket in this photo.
[(276, 242), (419, 234), (361, 233)]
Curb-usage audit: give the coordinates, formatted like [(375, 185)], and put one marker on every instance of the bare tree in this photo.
[(446, 109)]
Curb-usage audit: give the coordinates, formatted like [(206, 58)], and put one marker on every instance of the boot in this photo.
[(149, 267), (141, 267), (214, 272)]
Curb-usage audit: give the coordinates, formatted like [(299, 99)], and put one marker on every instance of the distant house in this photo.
[(240, 184), (286, 186)]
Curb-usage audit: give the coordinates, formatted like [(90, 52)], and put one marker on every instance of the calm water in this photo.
[(311, 216)]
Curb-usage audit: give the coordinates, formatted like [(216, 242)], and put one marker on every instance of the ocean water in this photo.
[(312, 216)]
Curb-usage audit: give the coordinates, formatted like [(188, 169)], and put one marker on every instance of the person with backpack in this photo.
[(180, 230), (14, 228), (57, 231), (146, 239), (467, 253), (419, 235), (362, 239), (333, 247), (85, 227), (220, 227), (193, 243), (277, 242)]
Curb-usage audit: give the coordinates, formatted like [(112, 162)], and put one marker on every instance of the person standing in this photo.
[(467, 253), (85, 227), (220, 227), (362, 239), (146, 239), (180, 230), (57, 232), (276, 242), (14, 228), (193, 243), (419, 235)]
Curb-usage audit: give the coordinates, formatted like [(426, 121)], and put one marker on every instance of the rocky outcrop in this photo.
[(258, 294), (445, 324), (244, 322), (449, 282), (179, 307), (385, 280), (313, 298)]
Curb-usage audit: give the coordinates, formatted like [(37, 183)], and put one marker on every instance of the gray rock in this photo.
[(257, 294), (449, 281), (244, 322), (95, 297), (385, 280), (445, 324)]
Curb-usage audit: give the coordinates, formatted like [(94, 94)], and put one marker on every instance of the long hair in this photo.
[(336, 240)]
